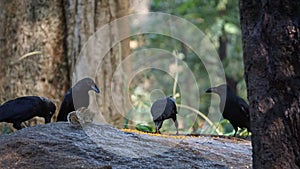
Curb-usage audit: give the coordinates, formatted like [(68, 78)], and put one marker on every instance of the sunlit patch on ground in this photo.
[(155, 134), (221, 138)]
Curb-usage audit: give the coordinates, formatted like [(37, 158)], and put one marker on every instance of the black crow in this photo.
[(76, 97), (163, 109), (236, 110), (24, 108)]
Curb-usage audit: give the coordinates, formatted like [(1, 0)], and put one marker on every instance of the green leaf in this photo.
[(143, 127)]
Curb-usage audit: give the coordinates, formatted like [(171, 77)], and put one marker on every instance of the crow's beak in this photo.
[(211, 90), (95, 88)]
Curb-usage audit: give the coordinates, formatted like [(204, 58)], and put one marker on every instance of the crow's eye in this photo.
[(89, 83)]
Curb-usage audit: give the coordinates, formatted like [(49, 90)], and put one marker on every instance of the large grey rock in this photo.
[(61, 145)]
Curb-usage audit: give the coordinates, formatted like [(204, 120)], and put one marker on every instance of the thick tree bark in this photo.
[(28, 26), (59, 29), (271, 32), (83, 20)]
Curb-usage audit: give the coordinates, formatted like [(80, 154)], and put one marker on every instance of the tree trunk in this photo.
[(84, 51), (270, 31), (59, 29), (28, 26)]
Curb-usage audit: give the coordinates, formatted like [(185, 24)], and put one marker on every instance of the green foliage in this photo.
[(144, 128), (215, 18), (228, 130), (226, 127), (5, 129)]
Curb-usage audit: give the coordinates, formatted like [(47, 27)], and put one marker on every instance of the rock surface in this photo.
[(61, 145)]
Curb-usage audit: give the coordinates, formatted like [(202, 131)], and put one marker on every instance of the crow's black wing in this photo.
[(66, 107), (172, 105), (244, 107), (158, 108), (20, 109)]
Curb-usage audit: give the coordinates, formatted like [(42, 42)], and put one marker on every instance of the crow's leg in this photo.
[(17, 125), (24, 125), (176, 124), (158, 125), (236, 130)]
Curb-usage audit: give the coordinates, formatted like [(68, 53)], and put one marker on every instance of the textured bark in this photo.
[(59, 29), (28, 26), (270, 31), (83, 20)]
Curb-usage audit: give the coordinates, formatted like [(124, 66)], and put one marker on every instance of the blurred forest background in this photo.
[(51, 69), (219, 20)]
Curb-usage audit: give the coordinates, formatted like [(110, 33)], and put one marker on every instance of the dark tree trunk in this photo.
[(270, 31)]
